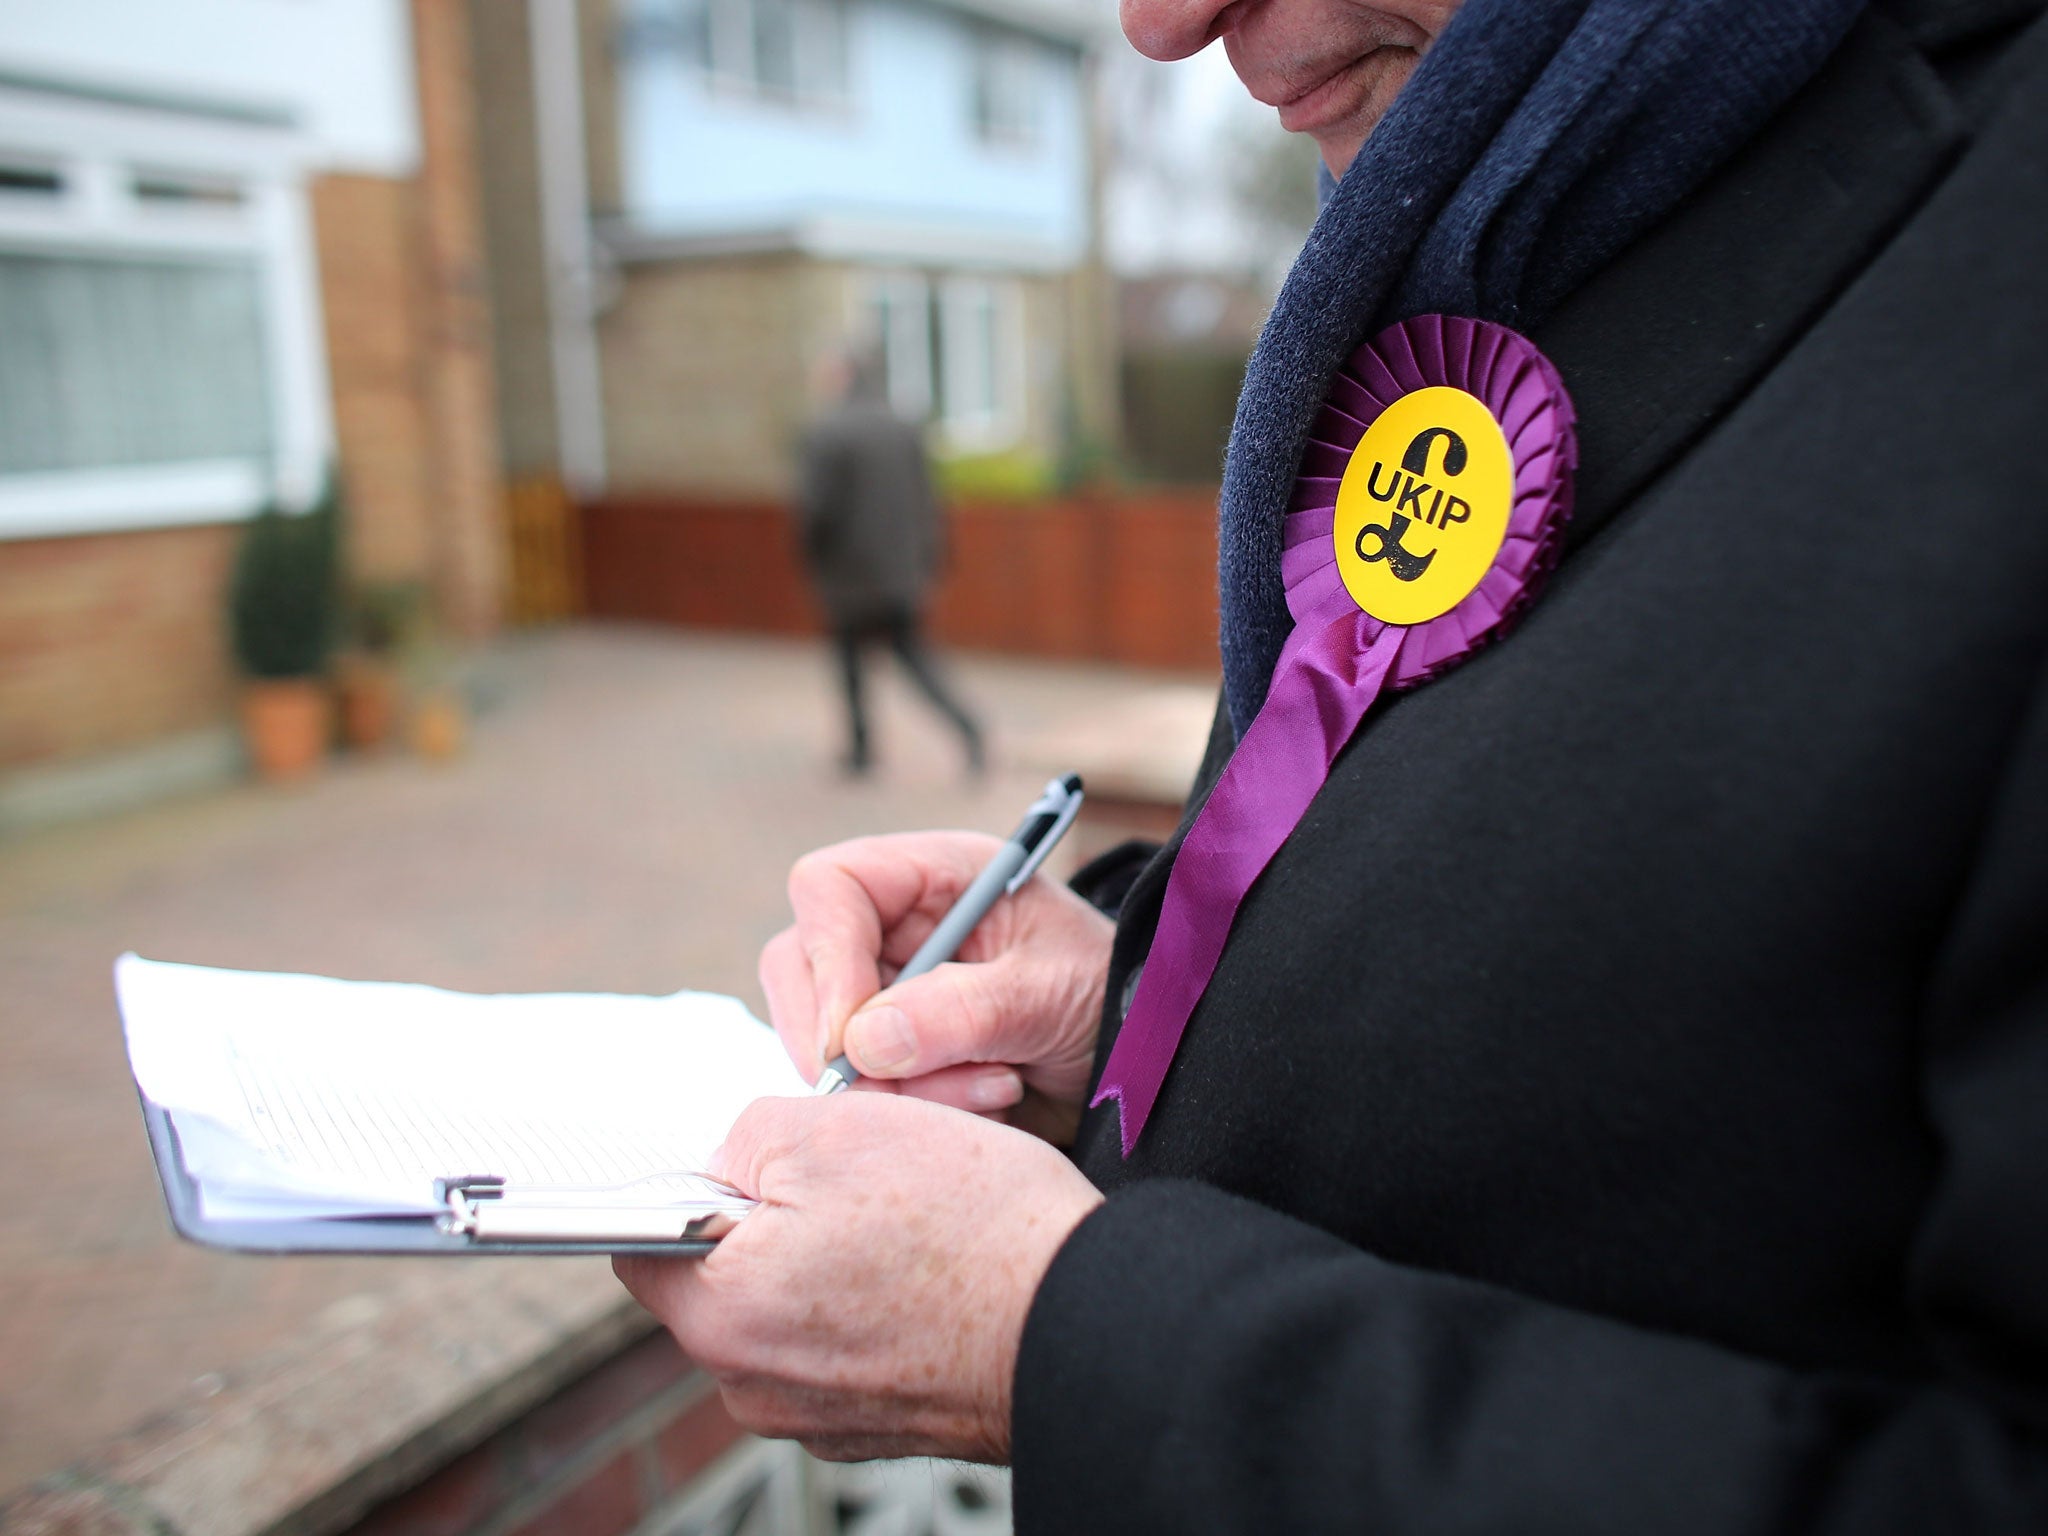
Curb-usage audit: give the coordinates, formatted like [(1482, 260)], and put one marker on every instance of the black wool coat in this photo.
[(868, 515), (1622, 1105)]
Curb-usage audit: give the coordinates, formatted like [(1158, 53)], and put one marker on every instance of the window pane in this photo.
[(902, 327), (792, 51), (203, 191), (1005, 90), (732, 41), (821, 50), (114, 361), (973, 384), (981, 381), (775, 48)]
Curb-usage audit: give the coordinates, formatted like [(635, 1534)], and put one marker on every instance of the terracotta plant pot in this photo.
[(285, 724), (367, 691), (439, 725)]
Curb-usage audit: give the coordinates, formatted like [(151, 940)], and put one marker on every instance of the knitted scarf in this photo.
[(1534, 141)]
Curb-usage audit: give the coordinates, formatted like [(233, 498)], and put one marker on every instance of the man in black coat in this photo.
[(872, 536), (1622, 1104)]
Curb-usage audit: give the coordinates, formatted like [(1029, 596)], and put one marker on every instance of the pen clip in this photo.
[(1065, 803)]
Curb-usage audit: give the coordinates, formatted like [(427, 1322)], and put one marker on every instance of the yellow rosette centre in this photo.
[(1423, 506)]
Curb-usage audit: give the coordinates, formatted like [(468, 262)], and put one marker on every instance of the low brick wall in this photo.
[(305, 1440), (1122, 578), (595, 1459), (562, 1409), (111, 640)]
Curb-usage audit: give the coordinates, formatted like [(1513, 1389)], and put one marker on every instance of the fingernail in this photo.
[(715, 1164), (996, 1090), (879, 1038)]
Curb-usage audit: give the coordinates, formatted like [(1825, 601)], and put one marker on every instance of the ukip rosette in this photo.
[(1432, 494), (1432, 497)]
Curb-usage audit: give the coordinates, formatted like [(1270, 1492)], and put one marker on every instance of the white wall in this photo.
[(342, 67), (899, 165)]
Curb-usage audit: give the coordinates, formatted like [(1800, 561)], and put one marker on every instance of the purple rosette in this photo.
[(1341, 658)]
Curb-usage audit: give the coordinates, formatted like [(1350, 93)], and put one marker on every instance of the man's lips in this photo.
[(1330, 96)]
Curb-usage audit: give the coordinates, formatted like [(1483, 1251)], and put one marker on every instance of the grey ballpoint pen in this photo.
[(1015, 862)]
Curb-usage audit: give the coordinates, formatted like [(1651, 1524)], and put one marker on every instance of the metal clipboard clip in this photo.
[(484, 1209)]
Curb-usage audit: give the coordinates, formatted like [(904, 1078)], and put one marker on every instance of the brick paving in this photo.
[(623, 821)]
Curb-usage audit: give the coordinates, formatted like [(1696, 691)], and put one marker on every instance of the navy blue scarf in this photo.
[(1535, 139)]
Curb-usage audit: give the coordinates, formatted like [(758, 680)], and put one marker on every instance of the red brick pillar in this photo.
[(467, 508)]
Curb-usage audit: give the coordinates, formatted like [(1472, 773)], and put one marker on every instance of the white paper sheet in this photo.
[(303, 1095)]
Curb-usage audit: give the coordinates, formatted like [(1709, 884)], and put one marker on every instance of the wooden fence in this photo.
[(1128, 578), (545, 552)]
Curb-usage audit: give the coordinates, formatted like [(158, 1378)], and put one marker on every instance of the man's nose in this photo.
[(1172, 29)]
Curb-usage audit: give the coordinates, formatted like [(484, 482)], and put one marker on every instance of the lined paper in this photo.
[(305, 1095)]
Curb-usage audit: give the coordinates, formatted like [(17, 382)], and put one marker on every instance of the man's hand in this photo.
[(873, 1303), (1008, 1027)]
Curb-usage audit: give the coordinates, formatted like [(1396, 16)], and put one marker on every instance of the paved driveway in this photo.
[(623, 822)]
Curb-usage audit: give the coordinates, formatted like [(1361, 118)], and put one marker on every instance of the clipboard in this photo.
[(477, 1220)]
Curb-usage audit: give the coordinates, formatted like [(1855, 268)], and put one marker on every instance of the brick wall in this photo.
[(455, 337), (405, 302), (370, 300), (706, 363), (501, 46), (595, 1459), (703, 365), (1056, 400), (111, 640), (1129, 579), (603, 161)]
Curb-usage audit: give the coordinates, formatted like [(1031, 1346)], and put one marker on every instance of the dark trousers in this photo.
[(900, 628)]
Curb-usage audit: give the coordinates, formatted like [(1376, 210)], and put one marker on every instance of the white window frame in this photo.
[(98, 148), (819, 82), (913, 302), (905, 340), (970, 423), (1006, 71)]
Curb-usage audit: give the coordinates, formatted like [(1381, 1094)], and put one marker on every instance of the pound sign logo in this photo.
[(1404, 563), (1413, 541)]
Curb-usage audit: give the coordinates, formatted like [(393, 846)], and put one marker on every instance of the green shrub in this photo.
[(284, 597), (384, 618), (1019, 474)]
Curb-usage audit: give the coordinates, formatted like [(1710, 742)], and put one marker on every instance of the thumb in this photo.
[(953, 1014), (767, 1134)]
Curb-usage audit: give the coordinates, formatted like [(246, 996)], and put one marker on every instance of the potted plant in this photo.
[(439, 718), (383, 618), (282, 602)]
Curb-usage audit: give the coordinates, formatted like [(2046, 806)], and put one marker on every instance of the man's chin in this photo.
[(1340, 141)]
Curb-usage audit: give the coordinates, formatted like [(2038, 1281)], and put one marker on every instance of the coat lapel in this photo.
[(1660, 345)]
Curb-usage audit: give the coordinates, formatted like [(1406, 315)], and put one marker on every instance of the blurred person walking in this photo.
[(871, 535)]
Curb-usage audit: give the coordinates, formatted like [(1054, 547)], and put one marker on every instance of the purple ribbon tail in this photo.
[(1339, 659), (1325, 682)]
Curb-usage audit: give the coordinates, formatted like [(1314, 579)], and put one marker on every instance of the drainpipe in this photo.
[(566, 244)]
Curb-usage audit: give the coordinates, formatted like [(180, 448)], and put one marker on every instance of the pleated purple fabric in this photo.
[(1338, 659)]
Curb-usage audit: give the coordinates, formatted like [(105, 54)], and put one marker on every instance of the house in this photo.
[(239, 243), (691, 200)]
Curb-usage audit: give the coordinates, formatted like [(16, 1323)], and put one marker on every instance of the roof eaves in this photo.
[(1073, 22)]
